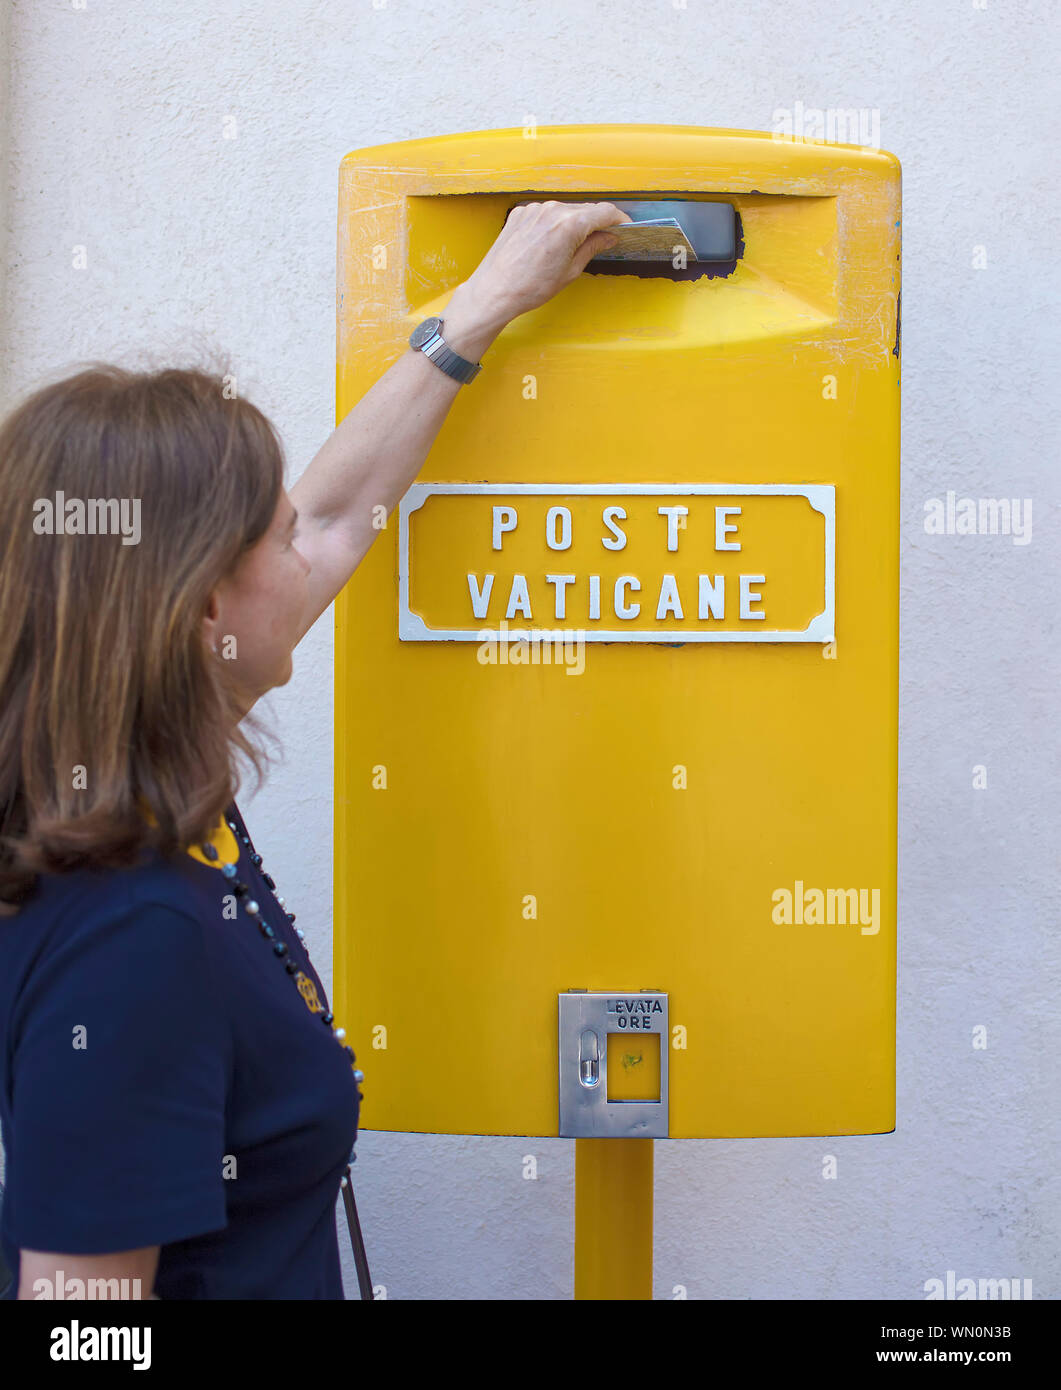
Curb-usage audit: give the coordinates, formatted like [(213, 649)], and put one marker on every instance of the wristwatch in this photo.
[(427, 337)]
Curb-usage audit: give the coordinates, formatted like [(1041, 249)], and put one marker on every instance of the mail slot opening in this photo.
[(684, 238)]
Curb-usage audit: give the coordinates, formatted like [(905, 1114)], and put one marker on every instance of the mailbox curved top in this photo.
[(671, 155)]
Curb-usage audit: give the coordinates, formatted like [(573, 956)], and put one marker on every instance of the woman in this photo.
[(177, 1102)]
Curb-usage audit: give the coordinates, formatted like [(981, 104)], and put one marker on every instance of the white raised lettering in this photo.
[(518, 597), (672, 514), (618, 540), (712, 597), (561, 581), (504, 520), (480, 597), (622, 609), (748, 595), (563, 516), (669, 602), (723, 529)]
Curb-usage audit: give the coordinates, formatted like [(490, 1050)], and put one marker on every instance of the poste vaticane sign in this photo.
[(625, 563)]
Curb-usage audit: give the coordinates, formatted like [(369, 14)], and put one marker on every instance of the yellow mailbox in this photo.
[(616, 691)]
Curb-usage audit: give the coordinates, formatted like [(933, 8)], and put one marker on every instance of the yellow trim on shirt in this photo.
[(221, 837), (224, 841)]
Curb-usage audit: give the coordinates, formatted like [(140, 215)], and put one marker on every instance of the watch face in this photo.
[(424, 332)]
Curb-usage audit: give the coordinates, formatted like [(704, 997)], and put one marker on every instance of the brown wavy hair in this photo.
[(110, 700)]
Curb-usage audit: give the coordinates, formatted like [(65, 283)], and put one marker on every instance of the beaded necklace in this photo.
[(209, 853)]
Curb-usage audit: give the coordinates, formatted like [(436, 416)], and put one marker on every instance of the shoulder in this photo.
[(94, 897), (78, 930)]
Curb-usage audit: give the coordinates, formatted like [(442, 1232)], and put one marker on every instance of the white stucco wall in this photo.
[(118, 144)]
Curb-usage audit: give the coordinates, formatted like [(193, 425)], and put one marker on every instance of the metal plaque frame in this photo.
[(821, 496), (585, 1110)]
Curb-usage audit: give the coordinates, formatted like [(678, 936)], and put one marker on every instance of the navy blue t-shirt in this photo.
[(163, 1081)]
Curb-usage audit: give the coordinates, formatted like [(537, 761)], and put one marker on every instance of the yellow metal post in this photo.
[(613, 1218)]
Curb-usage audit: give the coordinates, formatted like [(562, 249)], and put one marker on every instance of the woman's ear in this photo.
[(211, 618)]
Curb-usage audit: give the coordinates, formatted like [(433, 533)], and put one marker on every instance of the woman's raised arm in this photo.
[(374, 455)]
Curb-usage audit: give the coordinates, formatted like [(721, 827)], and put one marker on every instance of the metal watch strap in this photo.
[(449, 361)]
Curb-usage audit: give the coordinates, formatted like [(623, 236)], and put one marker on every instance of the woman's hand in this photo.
[(541, 249)]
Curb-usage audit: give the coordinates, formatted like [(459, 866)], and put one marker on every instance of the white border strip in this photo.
[(821, 496)]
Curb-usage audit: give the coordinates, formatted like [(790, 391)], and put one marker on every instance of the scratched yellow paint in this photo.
[(507, 831), (633, 1067)]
